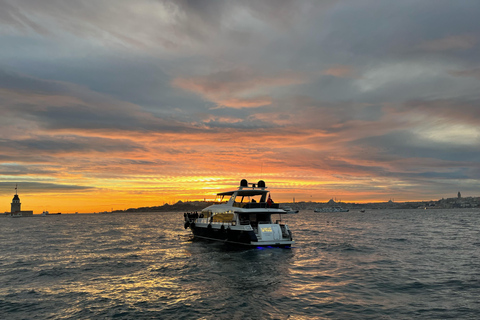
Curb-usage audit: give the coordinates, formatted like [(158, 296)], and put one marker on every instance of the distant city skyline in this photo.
[(141, 103)]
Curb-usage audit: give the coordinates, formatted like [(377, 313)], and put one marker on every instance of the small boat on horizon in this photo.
[(46, 213), (243, 217), (331, 209), (289, 210)]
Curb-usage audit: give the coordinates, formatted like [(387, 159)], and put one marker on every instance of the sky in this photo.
[(113, 104)]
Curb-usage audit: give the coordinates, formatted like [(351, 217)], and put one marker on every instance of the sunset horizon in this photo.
[(71, 202), (108, 107)]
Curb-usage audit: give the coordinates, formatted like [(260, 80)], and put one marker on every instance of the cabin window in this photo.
[(207, 214), (223, 217), (222, 198)]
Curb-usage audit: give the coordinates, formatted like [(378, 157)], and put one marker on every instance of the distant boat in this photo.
[(46, 213), (288, 209), (331, 209), (362, 211)]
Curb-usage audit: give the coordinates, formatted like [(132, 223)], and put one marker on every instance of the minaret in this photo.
[(16, 202)]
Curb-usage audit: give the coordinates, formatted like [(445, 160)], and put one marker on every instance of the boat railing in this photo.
[(226, 222), (255, 205)]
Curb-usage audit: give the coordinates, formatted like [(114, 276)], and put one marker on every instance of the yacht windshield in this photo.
[(221, 198)]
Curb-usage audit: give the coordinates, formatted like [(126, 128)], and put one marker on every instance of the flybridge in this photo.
[(247, 189), (244, 184)]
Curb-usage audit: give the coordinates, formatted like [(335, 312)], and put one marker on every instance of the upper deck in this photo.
[(252, 197)]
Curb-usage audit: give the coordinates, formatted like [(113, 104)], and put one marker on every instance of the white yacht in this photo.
[(243, 216), (331, 209), (289, 209)]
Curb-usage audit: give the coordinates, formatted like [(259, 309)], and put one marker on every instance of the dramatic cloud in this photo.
[(138, 103), (459, 42), (340, 71), (233, 88), (467, 73)]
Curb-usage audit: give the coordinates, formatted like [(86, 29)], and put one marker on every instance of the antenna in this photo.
[(16, 185)]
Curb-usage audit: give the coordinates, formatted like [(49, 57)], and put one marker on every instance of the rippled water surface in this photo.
[(420, 264)]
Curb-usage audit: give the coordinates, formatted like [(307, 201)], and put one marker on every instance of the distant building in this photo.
[(331, 202), (459, 196), (16, 210)]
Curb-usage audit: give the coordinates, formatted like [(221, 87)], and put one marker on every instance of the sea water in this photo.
[(396, 264)]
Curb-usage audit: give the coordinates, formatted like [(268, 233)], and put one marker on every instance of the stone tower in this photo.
[(16, 204), (16, 210)]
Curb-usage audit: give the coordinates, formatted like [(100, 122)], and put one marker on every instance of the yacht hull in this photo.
[(234, 236)]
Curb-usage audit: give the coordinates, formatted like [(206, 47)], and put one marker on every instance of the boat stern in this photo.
[(273, 235)]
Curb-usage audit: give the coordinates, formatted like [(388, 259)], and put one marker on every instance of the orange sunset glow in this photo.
[(183, 102)]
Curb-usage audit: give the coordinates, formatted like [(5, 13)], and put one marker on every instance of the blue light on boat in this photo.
[(272, 247)]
